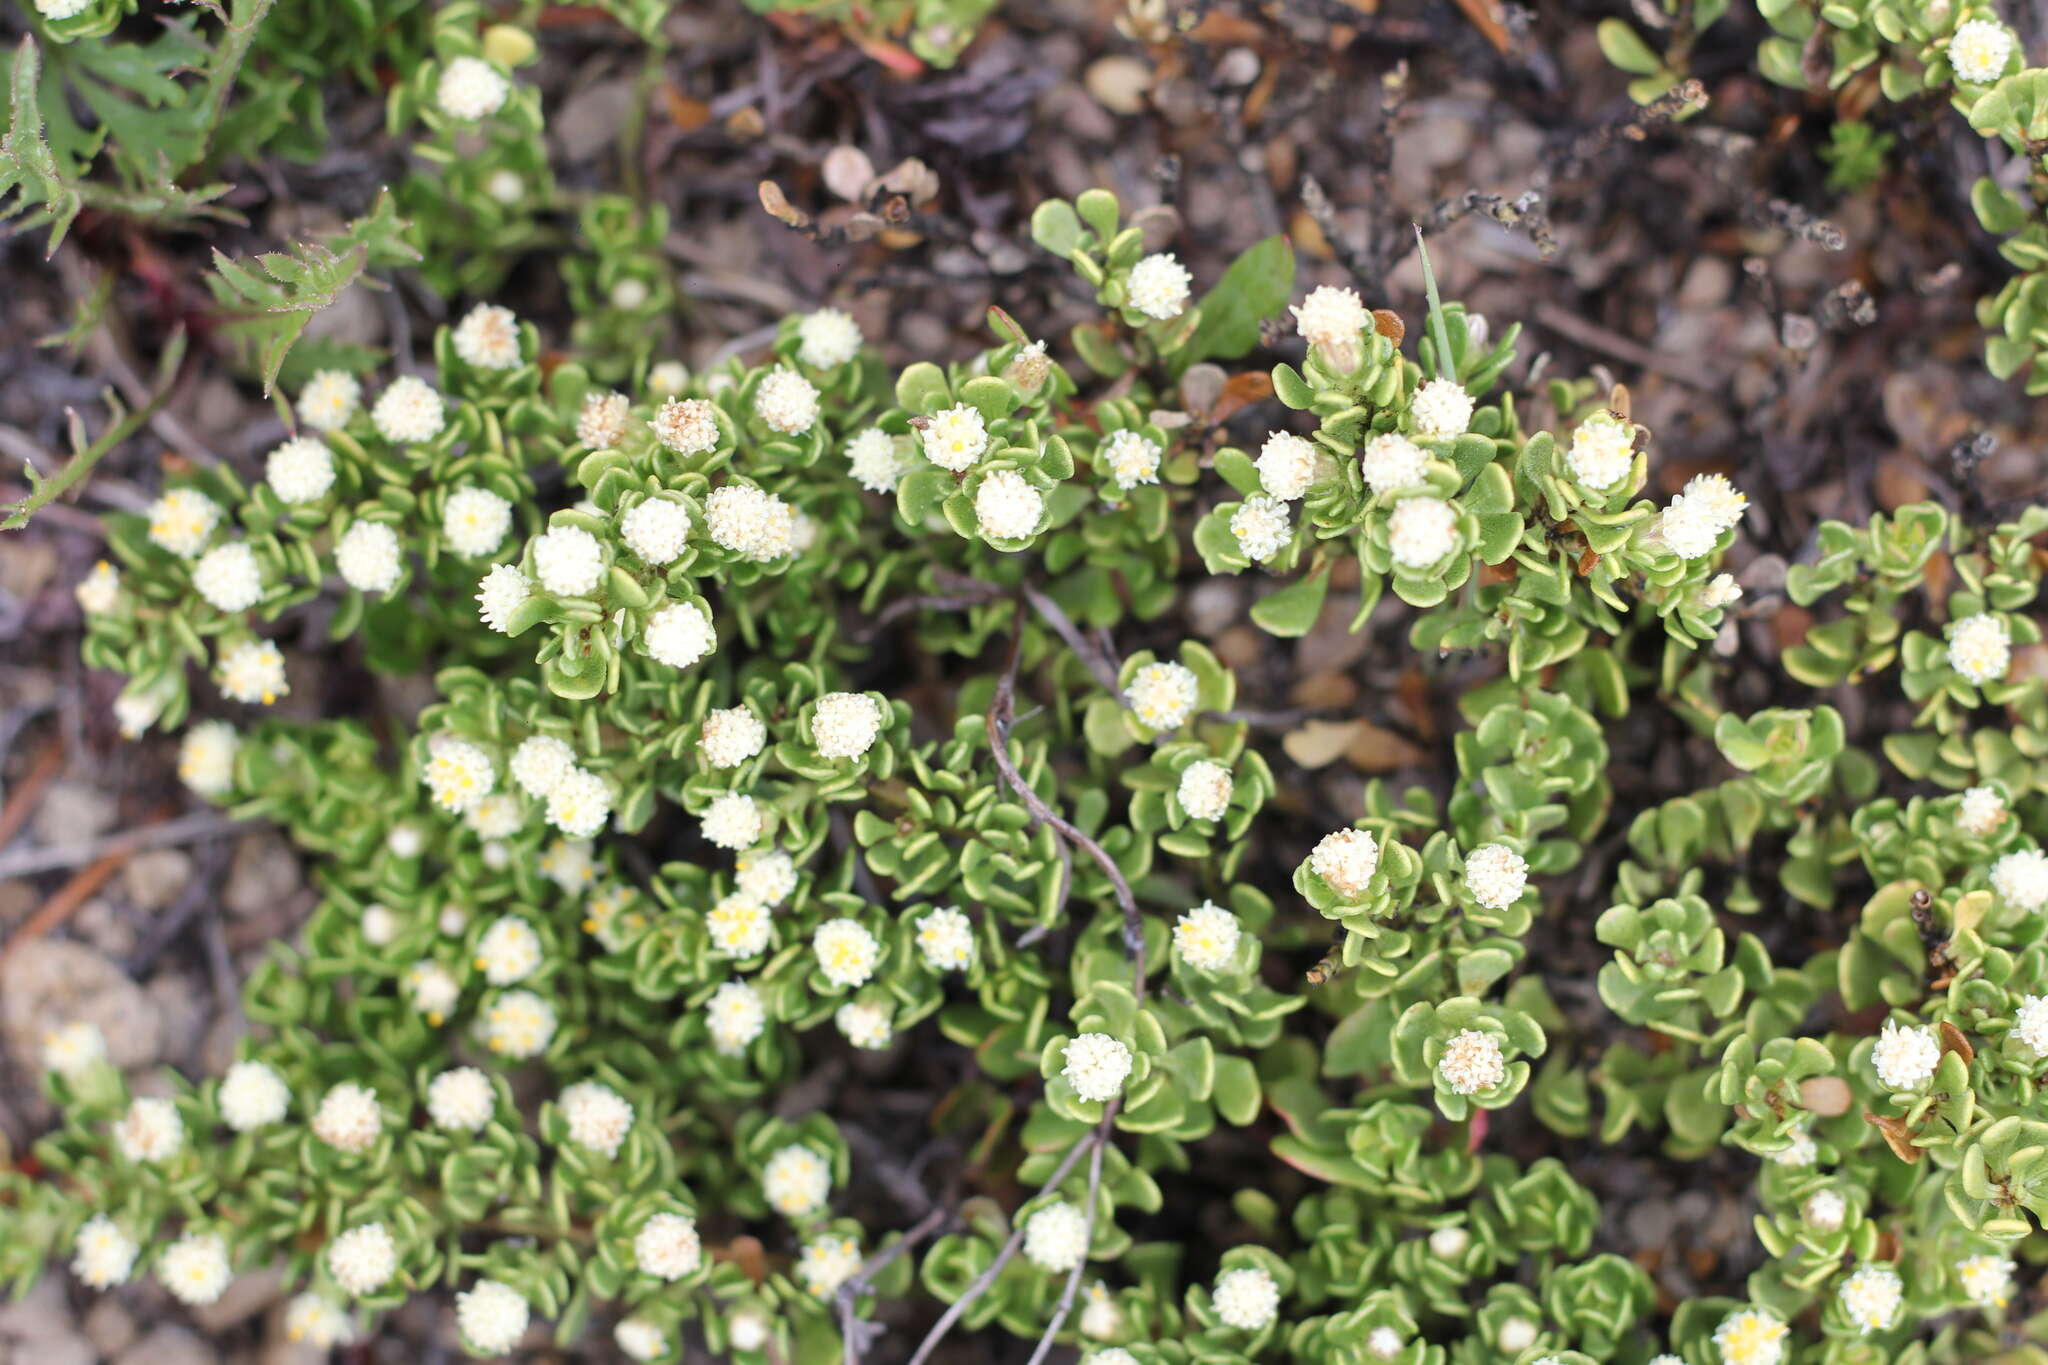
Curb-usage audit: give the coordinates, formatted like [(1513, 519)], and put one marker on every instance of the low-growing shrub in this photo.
[(791, 712)]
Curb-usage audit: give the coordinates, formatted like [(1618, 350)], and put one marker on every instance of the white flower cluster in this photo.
[(657, 529), (457, 774), (1980, 648), (369, 557), (206, 757), (329, 400), (318, 1322), (1751, 1336), (845, 724), (518, 1024), (1286, 465), (1056, 1237), (1163, 695), (846, 951), (688, 426), (1441, 410), (1131, 458), (2030, 1024), (730, 737), (229, 577), (195, 1269), (2021, 879), (99, 592), (1096, 1065), (1007, 507), (679, 634), (946, 938), (1261, 527), (955, 439), (103, 1255), (749, 522), (864, 1024), (1986, 1279), (251, 1096), (182, 521), (461, 1100), (1602, 452), (1979, 50), (827, 1262), (739, 926), (409, 412), (363, 1259), (474, 522), (150, 1131), (786, 402), (877, 460), (1871, 1297), (796, 1181), (1206, 937), (601, 422), (487, 338), (1158, 286), (827, 338), (252, 672), (735, 1016), (71, 1049), (301, 470), (1980, 812), (668, 1246), (1495, 875), (1421, 531), (1472, 1062), (1905, 1055), (1246, 1298), (1825, 1210), (492, 1316), (598, 1117), (471, 88), (1204, 790), (349, 1118), (509, 951), (568, 561), (734, 821), (1331, 320), (1346, 859), (1692, 522)]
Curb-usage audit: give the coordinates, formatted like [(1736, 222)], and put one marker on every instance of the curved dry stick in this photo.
[(1066, 1303), (999, 710), (1008, 1250), (851, 1335)]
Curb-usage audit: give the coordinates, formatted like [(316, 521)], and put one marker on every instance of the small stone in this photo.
[(169, 1345), (108, 1326), (47, 983), (154, 877), (183, 1006), (243, 1299), (39, 1315), (71, 812), (1119, 83), (263, 875)]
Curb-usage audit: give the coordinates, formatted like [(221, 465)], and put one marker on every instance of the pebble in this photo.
[(46, 983), (109, 1326), (1119, 83), (243, 1299), (170, 1345), (264, 874), (154, 877), (71, 812)]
